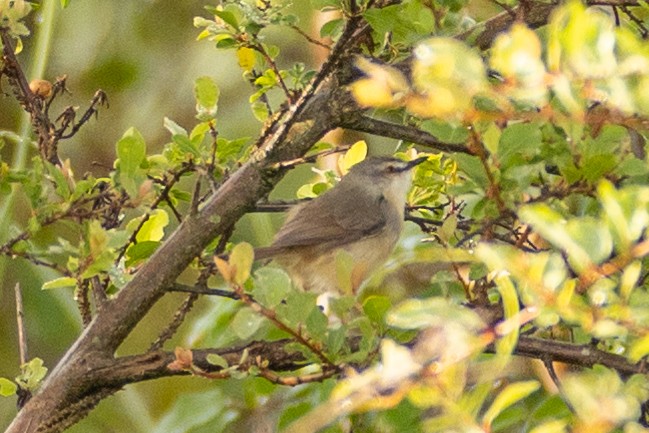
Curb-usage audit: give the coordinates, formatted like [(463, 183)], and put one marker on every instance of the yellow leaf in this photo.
[(383, 86), (153, 228), (246, 57), (370, 92), (353, 156), (639, 349), (202, 35), (241, 262)]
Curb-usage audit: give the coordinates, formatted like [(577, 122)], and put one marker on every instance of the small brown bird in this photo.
[(361, 217)]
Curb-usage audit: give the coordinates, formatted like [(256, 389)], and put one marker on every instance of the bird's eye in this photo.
[(391, 169)]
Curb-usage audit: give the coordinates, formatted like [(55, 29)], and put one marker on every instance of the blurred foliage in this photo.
[(544, 218)]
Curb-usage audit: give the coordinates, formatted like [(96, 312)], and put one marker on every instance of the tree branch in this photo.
[(127, 370), (358, 122)]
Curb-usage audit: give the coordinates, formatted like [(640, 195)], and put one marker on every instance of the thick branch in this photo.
[(534, 14), (358, 122), (153, 365), (583, 355)]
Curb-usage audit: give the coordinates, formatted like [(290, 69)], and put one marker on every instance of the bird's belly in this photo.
[(341, 270)]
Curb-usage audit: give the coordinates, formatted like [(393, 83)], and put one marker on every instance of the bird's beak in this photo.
[(415, 162)]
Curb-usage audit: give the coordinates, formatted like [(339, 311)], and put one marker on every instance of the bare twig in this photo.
[(20, 318), (309, 38), (203, 291), (175, 323)]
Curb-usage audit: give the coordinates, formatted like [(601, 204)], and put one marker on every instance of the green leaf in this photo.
[(32, 373), (424, 313), (332, 29), (297, 307), (217, 360), (376, 308), (62, 187), (206, 93), (472, 166), (199, 131), (131, 151), (506, 345), (246, 322), (140, 251), (260, 111), (60, 283), (316, 324), (227, 17), (272, 285), (519, 140), (510, 395), (447, 230), (7, 387), (231, 150), (225, 41), (585, 240), (445, 131), (185, 145), (173, 127)]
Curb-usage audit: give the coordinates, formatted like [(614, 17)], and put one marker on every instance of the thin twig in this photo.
[(20, 318), (175, 323), (309, 38), (644, 32), (99, 99), (272, 316), (177, 287), (311, 158), (261, 50)]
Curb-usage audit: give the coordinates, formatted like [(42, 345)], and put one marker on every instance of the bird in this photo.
[(360, 218)]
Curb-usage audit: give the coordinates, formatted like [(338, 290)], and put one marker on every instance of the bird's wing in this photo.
[(330, 223)]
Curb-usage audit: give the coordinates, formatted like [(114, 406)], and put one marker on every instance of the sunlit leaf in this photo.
[(153, 228), (7, 387), (241, 259), (60, 283), (356, 153)]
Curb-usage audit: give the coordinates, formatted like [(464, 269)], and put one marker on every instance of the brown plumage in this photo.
[(362, 215)]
